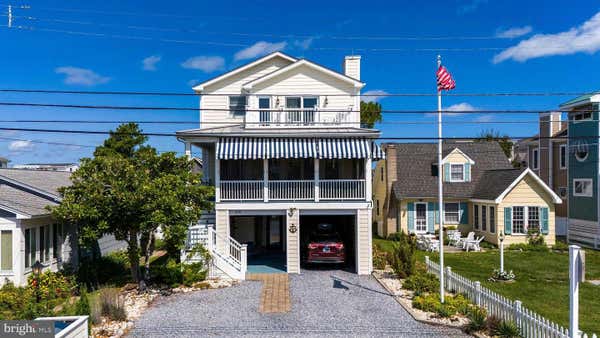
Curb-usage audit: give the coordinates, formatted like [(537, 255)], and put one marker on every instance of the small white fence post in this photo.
[(517, 313), (478, 293), (244, 258), (427, 263), (449, 286)]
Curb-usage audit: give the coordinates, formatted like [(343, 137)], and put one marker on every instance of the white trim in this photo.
[(358, 84), (260, 205), (200, 87), (458, 213), (592, 99), (556, 199), (459, 151), (450, 179), (585, 180), (526, 219), (476, 200), (426, 218), (560, 147)]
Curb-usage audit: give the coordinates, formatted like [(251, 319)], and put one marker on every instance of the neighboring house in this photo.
[(68, 167), (282, 143), (3, 162), (27, 231), (546, 154), (482, 192), (583, 169)]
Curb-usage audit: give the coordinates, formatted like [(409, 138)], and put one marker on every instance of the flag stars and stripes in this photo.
[(444, 79)]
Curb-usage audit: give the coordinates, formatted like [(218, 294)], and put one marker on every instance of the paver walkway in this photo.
[(275, 294), (326, 303)]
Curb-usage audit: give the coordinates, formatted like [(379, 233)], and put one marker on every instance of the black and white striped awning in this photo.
[(241, 148)]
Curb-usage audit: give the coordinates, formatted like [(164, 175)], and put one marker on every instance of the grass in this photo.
[(542, 280)]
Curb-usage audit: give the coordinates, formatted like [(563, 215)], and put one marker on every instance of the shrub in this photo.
[(452, 305), (445, 311), (82, 307), (507, 329), (460, 304), (536, 240), (527, 247), (379, 258), (169, 273), (193, 273), (421, 283), (428, 303), (491, 323), (112, 304), (477, 319), (403, 258), (560, 246), (96, 311), (110, 269)]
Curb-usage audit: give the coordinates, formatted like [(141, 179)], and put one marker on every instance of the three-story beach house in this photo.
[(283, 146)]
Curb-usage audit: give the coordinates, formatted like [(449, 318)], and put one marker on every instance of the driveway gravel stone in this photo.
[(325, 303)]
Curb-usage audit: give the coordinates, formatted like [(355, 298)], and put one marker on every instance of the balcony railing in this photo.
[(299, 117), (293, 190)]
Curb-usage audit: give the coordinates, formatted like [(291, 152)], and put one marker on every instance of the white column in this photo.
[(188, 150), (368, 181), (574, 290), (266, 180), (217, 180), (317, 187)]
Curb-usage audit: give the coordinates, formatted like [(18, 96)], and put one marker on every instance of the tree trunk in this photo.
[(134, 256), (148, 249)]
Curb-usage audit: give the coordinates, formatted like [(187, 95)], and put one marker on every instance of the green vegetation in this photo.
[(422, 282), (541, 280), (453, 304), (370, 113), (402, 258)]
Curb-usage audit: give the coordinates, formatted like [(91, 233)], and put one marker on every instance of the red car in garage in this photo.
[(325, 246)]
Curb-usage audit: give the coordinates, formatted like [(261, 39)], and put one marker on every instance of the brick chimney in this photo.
[(550, 124), (351, 66)]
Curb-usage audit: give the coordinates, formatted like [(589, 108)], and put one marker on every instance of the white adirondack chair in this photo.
[(461, 242), (474, 244), (453, 237)]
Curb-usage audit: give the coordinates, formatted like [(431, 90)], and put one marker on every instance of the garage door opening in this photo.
[(266, 241), (318, 233)]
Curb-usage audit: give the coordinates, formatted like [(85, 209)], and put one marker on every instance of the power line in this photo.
[(142, 93)]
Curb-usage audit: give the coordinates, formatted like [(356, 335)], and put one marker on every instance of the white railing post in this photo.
[(368, 191), (244, 258), (574, 279), (517, 305), (478, 293), (217, 180), (448, 272), (266, 180), (317, 188)]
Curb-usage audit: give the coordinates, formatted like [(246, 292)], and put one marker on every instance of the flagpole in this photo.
[(440, 190)]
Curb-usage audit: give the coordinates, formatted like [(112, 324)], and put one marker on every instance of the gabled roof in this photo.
[(581, 100), (28, 192), (555, 198), (307, 63), (200, 87), (456, 150)]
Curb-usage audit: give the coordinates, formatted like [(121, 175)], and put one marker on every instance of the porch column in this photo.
[(293, 240), (317, 187), (368, 181), (188, 150), (217, 180), (266, 180)]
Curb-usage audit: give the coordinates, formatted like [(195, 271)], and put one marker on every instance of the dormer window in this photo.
[(457, 172)]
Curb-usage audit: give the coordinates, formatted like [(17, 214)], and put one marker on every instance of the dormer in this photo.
[(457, 166)]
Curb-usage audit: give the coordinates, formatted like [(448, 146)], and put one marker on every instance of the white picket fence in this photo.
[(531, 324)]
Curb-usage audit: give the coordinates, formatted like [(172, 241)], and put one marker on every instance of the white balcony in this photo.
[(294, 190), (294, 118)]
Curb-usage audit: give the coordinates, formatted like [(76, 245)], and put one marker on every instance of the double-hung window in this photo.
[(492, 219), (476, 216), (457, 172), (533, 219), (6, 254), (237, 105), (451, 213), (518, 220), (535, 161), (57, 238), (30, 246), (484, 218), (583, 187)]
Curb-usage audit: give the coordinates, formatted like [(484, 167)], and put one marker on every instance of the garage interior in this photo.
[(266, 240), (345, 225)]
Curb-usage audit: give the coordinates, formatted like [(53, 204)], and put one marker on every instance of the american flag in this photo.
[(444, 79)]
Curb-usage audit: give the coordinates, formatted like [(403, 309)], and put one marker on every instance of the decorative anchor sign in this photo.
[(293, 228)]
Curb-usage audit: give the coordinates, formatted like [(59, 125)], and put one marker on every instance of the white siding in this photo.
[(293, 243), (364, 261)]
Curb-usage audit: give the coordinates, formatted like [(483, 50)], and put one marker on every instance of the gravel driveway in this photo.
[(328, 303)]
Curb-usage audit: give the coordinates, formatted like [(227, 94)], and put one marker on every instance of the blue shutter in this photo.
[(411, 217), (446, 172), (507, 221), (430, 218), (544, 221), (464, 213), (468, 172)]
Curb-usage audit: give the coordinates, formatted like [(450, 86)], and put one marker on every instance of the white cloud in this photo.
[(20, 146), (455, 109), (81, 76), (484, 118), (514, 32), (304, 44), (374, 95), (584, 38), (150, 62), (207, 64), (193, 82), (259, 49)]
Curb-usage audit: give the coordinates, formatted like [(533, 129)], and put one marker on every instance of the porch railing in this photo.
[(293, 190), (299, 117), (342, 189)]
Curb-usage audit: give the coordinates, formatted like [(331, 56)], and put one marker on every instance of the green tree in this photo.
[(503, 140), (128, 190), (370, 113)]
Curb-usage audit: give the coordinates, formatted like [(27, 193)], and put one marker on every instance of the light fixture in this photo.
[(276, 101), (326, 102), (501, 236), (37, 268), (291, 212)]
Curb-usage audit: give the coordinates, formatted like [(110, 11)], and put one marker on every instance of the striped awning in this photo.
[(241, 148)]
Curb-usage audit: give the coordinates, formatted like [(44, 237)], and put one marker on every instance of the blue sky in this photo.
[(532, 46)]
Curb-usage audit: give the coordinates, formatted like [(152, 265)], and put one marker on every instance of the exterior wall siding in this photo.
[(364, 261), (293, 242), (559, 178), (380, 199)]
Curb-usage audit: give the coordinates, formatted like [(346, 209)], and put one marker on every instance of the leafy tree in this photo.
[(370, 113), (503, 140), (128, 190)]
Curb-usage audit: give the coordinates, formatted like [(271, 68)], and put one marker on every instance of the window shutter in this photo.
[(446, 171), (430, 217), (468, 172), (544, 216), (411, 217), (464, 213), (507, 221)]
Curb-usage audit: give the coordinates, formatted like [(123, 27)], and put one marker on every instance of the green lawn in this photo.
[(541, 281)]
